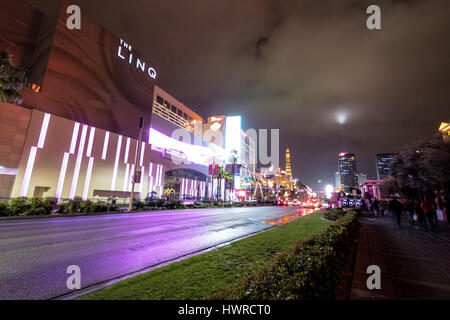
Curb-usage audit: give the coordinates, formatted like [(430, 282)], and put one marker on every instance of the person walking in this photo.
[(427, 207), (383, 208), (447, 208), (376, 207), (409, 208), (396, 208), (440, 208)]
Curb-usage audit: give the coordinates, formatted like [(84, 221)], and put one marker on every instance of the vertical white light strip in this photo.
[(32, 156), (76, 172), (43, 131), (116, 163), (160, 175), (62, 173), (125, 180), (91, 142), (105, 145), (150, 189), (62, 176), (28, 171), (141, 163), (141, 185), (88, 178), (150, 177), (194, 191), (73, 143), (157, 175), (181, 188), (127, 150)]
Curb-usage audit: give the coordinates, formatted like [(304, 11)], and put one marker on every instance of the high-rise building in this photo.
[(348, 171), (337, 181), (227, 132), (383, 164), (288, 164)]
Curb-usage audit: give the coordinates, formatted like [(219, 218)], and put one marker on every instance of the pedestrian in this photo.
[(447, 208), (427, 207), (376, 206), (419, 214), (396, 208), (409, 208), (440, 208), (383, 207)]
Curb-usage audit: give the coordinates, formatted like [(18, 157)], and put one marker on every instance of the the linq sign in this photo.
[(125, 52)]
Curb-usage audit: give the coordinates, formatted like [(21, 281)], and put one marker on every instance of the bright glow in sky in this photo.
[(341, 117)]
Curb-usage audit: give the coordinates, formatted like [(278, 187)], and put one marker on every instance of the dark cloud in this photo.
[(294, 64)]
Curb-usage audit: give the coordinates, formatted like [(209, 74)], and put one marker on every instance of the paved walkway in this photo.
[(414, 264)]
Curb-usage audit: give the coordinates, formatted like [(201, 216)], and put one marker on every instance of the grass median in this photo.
[(205, 274)]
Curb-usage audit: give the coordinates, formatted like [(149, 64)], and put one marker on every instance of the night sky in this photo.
[(295, 65)]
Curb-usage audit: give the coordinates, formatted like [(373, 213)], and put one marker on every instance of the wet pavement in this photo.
[(35, 254), (414, 264)]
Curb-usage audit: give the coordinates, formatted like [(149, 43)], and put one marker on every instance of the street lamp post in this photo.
[(138, 152)]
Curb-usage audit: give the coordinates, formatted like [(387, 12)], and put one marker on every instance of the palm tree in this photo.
[(223, 174), (12, 80)]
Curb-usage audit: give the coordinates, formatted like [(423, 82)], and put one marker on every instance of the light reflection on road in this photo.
[(289, 218)]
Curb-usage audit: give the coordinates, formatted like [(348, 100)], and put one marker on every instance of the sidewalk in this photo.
[(414, 264)]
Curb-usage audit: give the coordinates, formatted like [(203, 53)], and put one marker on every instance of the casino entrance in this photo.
[(186, 184)]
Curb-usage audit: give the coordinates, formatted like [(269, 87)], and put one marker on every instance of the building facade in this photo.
[(348, 171), (76, 134), (383, 164)]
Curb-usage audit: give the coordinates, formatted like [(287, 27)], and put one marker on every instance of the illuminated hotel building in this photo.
[(227, 132), (170, 109), (348, 171), (76, 132)]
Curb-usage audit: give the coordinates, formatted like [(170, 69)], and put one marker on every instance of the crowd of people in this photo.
[(425, 213)]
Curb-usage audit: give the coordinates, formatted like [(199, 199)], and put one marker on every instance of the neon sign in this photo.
[(125, 52)]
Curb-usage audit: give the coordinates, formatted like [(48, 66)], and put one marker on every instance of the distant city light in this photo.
[(329, 191)]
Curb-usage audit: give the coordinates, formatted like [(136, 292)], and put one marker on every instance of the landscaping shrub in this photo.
[(334, 214), (61, 208), (35, 211), (17, 206), (73, 206), (175, 204), (99, 207), (4, 212), (160, 203), (310, 271), (138, 205), (50, 204), (85, 206)]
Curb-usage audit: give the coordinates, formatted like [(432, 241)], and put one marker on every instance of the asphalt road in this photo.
[(35, 254)]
